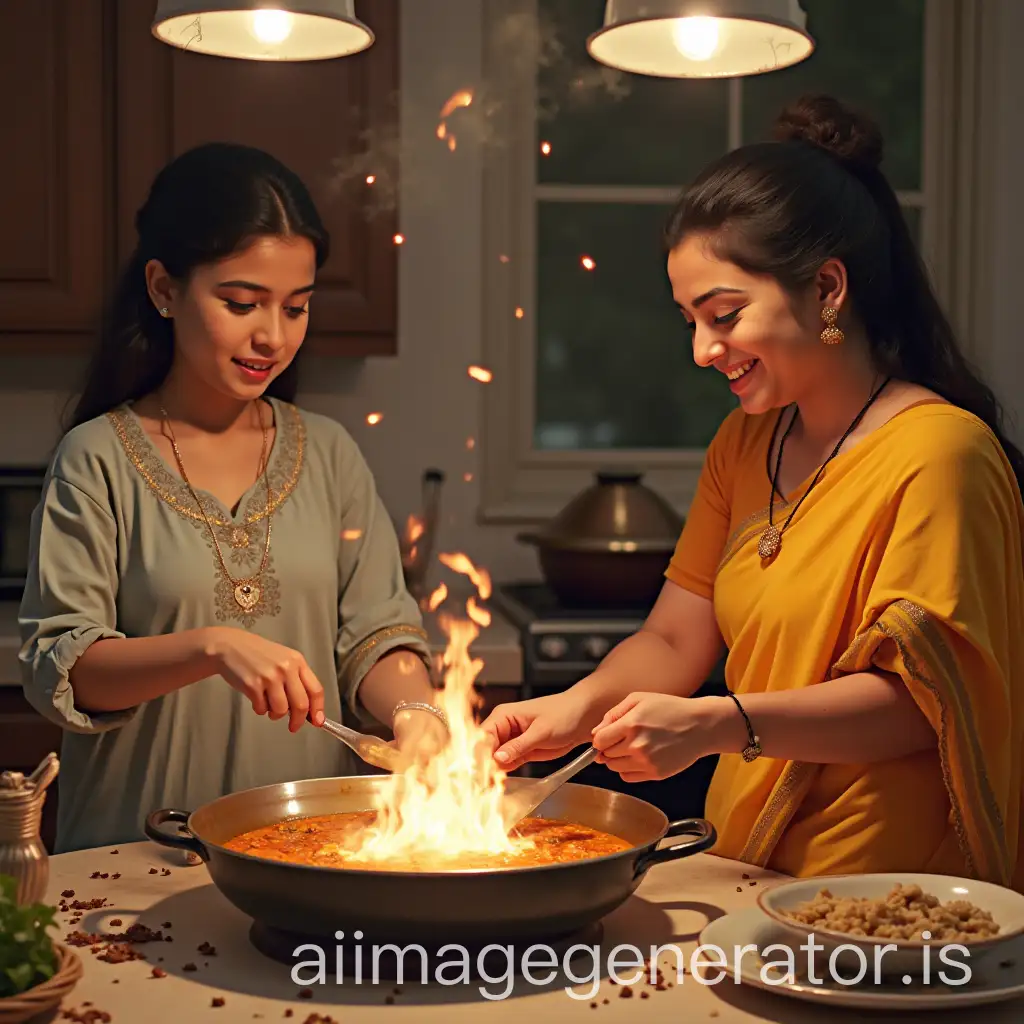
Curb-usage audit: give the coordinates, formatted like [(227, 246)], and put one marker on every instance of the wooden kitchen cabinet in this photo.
[(57, 169), (93, 106), (25, 739)]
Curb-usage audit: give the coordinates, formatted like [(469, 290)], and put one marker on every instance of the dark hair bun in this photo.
[(823, 121)]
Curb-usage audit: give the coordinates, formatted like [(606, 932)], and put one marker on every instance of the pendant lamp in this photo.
[(281, 30), (701, 38)]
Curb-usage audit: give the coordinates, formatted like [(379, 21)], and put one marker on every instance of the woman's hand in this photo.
[(653, 735), (419, 735), (275, 679), (539, 729)]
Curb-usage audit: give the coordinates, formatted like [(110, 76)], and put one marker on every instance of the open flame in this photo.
[(452, 805)]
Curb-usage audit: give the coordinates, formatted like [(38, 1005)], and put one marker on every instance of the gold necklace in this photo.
[(247, 591)]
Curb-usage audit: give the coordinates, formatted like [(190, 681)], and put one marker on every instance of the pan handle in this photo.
[(185, 840), (703, 838)]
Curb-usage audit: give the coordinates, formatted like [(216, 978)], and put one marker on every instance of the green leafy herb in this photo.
[(27, 956)]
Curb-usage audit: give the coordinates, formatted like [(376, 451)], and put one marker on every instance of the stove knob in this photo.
[(554, 647), (596, 647)]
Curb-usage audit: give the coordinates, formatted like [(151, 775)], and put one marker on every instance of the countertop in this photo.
[(671, 907), (497, 646)]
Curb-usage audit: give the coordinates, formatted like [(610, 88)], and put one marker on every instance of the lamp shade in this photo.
[(281, 30), (701, 38)]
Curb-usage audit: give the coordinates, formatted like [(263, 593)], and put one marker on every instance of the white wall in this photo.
[(430, 405)]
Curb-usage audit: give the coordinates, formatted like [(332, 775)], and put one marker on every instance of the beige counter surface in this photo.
[(672, 906), (497, 646)]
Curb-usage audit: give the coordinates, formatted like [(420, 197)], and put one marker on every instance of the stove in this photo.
[(560, 646)]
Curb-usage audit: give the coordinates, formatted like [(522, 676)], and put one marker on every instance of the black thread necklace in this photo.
[(771, 539)]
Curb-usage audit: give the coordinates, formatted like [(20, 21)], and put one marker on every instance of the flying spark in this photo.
[(480, 374)]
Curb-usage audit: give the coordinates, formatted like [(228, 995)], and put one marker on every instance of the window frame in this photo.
[(521, 484)]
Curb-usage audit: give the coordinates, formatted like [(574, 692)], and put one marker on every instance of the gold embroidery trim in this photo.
[(146, 461), (778, 812), (359, 655), (918, 617)]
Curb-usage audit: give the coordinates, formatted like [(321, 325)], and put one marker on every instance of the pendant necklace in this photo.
[(246, 591), (771, 539)]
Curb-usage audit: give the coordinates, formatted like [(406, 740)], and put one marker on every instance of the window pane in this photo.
[(870, 53), (614, 363), (610, 128)]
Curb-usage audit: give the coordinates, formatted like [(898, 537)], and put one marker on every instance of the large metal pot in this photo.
[(610, 546), (431, 908)]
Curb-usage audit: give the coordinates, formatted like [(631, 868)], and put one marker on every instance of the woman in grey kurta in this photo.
[(122, 551), (123, 546)]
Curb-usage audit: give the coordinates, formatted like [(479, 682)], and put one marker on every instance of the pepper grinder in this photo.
[(22, 853)]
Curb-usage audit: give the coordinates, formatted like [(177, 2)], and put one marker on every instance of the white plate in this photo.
[(990, 982), (900, 955)]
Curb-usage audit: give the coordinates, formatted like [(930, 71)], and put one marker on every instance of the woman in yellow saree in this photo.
[(855, 542)]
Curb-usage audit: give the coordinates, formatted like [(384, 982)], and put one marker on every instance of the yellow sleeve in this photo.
[(699, 549), (945, 612)]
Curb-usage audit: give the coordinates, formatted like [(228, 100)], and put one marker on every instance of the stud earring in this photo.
[(831, 335), (164, 311)]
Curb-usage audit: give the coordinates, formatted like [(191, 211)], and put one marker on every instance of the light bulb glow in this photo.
[(696, 38), (270, 26)]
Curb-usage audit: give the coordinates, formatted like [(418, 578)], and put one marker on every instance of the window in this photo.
[(591, 357)]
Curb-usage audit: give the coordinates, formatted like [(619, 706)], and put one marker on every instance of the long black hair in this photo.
[(816, 192), (204, 206)]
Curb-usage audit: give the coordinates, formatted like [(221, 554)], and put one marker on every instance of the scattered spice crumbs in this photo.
[(115, 923), (113, 851), (289, 1012), (739, 888), (305, 993), (159, 972), (152, 871), (217, 1001), (745, 875), (68, 893), (626, 992), (190, 967), (92, 1015), (207, 950)]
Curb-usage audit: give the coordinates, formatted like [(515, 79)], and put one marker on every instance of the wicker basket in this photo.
[(48, 994)]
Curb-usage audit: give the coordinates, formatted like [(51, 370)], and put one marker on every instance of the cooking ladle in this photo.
[(518, 805)]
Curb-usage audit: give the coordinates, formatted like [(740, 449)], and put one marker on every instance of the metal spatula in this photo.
[(523, 802), (372, 749)]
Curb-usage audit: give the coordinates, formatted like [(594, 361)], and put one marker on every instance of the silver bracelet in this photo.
[(416, 705)]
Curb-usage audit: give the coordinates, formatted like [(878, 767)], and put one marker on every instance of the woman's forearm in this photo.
[(398, 676), (856, 719), (116, 674), (644, 661)]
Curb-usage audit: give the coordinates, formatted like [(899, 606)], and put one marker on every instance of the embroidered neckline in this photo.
[(286, 461)]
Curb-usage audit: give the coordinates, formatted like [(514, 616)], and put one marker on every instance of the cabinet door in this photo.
[(54, 194), (317, 117)]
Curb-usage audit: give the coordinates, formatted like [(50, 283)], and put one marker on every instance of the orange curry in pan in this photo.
[(321, 841)]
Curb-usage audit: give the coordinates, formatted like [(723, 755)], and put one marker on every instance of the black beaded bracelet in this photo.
[(753, 749)]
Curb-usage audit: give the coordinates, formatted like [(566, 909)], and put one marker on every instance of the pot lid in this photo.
[(618, 512)]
